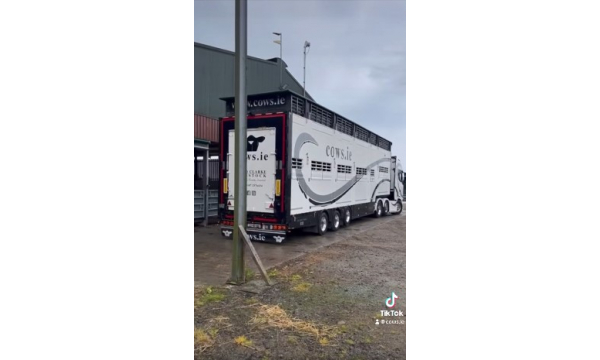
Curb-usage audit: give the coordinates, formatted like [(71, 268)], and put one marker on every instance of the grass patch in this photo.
[(200, 336), (220, 320), (292, 339), (324, 341), (251, 301), (368, 340), (348, 341), (273, 273), (249, 274), (296, 277), (302, 287), (202, 340), (275, 316), (243, 341), (207, 295)]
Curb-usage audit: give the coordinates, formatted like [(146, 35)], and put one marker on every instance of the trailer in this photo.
[(307, 168)]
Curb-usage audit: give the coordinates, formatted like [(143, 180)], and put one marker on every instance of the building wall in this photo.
[(206, 128), (214, 78)]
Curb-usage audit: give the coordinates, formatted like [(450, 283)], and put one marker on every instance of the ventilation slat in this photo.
[(344, 169), (296, 163), (327, 118), (320, 166)]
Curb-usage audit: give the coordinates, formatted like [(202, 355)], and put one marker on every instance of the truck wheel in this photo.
[(322, 225), (399, 212), (386, 208), (379, 210), (347, 217), (336, 221)]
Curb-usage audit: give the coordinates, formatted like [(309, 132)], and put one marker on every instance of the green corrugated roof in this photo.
[(214, 78)]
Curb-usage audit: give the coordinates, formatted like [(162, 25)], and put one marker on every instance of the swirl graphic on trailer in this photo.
[(319, 199)]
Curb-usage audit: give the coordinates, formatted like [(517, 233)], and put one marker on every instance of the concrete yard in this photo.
[(326, 304), (212, 252)]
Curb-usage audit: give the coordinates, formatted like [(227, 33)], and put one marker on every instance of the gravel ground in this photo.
[(325, 305)]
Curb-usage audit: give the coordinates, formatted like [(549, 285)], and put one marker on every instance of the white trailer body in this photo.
[(331, 169), (308, 168)]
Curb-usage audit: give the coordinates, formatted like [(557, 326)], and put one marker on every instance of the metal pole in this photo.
[(239, 212), (281, 61), (196, 174), (304, 81), (206, 188)]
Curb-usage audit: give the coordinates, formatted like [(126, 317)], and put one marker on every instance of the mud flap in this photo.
[(274, 237)]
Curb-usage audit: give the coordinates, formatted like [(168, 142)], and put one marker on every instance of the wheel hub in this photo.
[(323, 223)]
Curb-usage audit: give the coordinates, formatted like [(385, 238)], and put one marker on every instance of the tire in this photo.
[(379, 210), (336, 221), (399, 212), (386, 208), (347, 217), (322, 224)]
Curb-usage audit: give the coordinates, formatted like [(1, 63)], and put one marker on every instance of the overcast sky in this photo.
[(356, 65)]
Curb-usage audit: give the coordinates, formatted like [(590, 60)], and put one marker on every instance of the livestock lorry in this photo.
[(307, 168)]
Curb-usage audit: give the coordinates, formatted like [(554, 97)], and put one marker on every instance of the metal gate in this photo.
[(198, 204), (206, 170), (206, 193), (200, 199), (213, 174)]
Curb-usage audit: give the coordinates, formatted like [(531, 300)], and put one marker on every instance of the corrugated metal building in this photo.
[(214, 78)]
